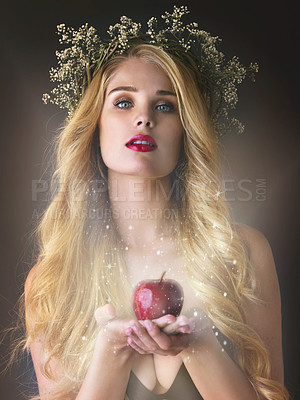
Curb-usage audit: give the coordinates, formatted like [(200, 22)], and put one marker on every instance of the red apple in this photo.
[(155, 298)]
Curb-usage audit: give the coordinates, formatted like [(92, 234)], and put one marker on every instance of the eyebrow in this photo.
[(133, 89)]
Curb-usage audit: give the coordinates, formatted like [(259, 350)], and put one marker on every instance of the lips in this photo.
[(143, 143)]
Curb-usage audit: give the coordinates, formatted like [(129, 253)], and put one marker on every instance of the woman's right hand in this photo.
[(113, 329)]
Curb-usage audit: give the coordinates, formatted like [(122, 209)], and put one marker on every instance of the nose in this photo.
[(148, 123), (144, 119)]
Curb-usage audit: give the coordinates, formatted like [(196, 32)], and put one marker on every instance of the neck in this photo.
[(141, 207)]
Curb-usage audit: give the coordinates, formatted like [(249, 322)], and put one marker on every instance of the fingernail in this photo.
[(128, 331)]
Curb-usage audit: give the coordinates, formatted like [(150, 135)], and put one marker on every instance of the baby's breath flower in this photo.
[(84, 54)]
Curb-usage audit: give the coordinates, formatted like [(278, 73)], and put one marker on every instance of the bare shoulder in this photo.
[(262, 260), (259, 251), (29, 278), (255, 241)]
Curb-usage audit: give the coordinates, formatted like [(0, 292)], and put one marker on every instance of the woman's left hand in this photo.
[(167, 335)]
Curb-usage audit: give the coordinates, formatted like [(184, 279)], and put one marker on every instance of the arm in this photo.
[(265, 320), (106, 378), (108, 373), (109, 370)]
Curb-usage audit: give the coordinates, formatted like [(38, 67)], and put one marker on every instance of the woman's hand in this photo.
[(112, 329), (169, 335), (146, 338)]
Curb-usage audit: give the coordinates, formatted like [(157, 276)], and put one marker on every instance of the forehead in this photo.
[(139, 72)]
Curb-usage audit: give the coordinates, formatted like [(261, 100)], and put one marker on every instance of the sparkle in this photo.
[(84, 338), (107, 226), (225, 342), (126, 248), (234, 262), (195, 313), (158, 252), (225, 294), (130, 227)]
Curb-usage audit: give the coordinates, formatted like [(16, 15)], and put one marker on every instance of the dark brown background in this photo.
[(268, 150)]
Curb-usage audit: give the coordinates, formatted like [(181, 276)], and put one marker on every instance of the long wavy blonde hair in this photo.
[(77, 239)]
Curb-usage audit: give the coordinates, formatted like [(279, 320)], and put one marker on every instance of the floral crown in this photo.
[(85, 53)]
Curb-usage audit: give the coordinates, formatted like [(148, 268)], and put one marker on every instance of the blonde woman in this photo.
[(138, 195)]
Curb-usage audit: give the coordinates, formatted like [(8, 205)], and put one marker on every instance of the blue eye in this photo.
[(166, 107), (126, 104), (121, 103)]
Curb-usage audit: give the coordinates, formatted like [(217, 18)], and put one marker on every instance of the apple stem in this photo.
[(162, 277)]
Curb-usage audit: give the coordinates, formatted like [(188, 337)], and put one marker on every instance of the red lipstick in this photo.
[(141, 143)]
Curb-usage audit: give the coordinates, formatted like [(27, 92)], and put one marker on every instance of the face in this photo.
[(140, 127)]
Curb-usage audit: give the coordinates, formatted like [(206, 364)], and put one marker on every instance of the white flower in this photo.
[(84, 53)]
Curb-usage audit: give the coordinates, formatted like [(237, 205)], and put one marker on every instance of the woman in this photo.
[(138, 195)]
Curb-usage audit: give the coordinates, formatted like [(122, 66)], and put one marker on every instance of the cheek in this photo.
[(106, 133), (106, 143)]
